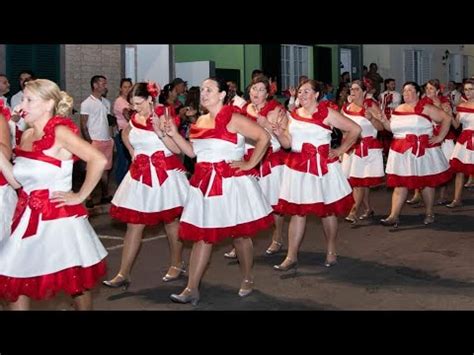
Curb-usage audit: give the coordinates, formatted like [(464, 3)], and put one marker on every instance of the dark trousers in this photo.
[(123, 159)]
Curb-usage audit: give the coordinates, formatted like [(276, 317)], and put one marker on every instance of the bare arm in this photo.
[(456, 121), (126, 140), (250, 130), (371, 112), (5, 144), (172, 131), (350, 129), (84, 130), (159, 126), (441, 117), (68, 142), (279, 125)]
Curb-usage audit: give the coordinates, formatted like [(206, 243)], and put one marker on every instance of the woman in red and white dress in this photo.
[(8, 197), (313, 181), (223, 200), (363, 164), (52, 246), (433, 93), (155, 187), (270, 169), (415, 160), (462, 159)]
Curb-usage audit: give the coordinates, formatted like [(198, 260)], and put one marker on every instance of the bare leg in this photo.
[(366, 200), (428, 197), (131, 246), (358, 193), (104, 183), (295, 237), (176, 249), (21, 304), (197, 264), (416, 197), (277, 236), (330, 233), (398, 199), (83, 302), (458, 185), (244, 248)]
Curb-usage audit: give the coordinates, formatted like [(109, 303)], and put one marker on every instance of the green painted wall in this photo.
[(225, 56)]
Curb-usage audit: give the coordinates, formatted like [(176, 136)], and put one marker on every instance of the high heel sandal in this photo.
[(271, 251), (367, 214), (390, 222), (181, 271), (231, 254), (454, 204), (414, 200), (351, 218), (189, 298), (290, 265), (429, 218), (330, 263), (124, 282), (244, 292)]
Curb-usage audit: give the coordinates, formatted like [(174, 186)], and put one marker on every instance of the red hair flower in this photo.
[(4, 110), (153, 89)]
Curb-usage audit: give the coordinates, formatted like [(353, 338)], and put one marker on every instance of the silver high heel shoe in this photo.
[(181, 271), (271, 251), (429, 218), (244, 292), (188, 298), (390, 222), (367, 215), (124, 282), (330, 263), (290, 265), (231, 254)]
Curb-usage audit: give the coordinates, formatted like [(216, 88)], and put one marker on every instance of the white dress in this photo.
[(155, 187), (50, 249), (363, 164), (270, 169), (312, 183), (413, 162), (222, 202), (462, 159)]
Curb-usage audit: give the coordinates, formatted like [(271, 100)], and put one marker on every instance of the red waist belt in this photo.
[(203, 174), (41, 206), (417, 144), (466, 136), (311, 159), (363, 145), (140, 169)]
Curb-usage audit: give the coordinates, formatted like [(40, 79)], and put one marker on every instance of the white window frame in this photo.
[(294, 63)]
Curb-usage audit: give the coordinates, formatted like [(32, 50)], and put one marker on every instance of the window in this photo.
[(417, 66), (294, 63)]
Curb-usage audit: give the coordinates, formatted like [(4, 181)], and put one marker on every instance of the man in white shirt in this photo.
[(234, 98), (4, 89), (388, 101), (21, 126), (95, 129)]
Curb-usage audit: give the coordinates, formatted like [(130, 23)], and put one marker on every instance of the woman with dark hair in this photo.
[(363, 164), (223, 200), (52, 246), (415, 159), (270, 169), (313, 181), (462, 159), (155, 187)]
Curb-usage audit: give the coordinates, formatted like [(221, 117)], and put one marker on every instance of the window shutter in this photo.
[(426, 67), (409, 63), (42, 59)]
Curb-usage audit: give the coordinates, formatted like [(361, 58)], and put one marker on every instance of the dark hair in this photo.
[(192, 99), (387, 81), (361, 84), (317, 86), (256, 72), (139, 90), (469, 81), (221, 86), (125, 80), (95, 79), (29, 72), (435, 83), (261, 79), (415, 85)]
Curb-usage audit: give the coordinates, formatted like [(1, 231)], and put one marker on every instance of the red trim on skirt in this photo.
[(127, 215), (458, 166), (191, 232), (366, 182), (73, 281), (338, 208), (419, 182)]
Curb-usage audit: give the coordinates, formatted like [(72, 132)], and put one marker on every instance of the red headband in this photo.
[(153, 89)]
